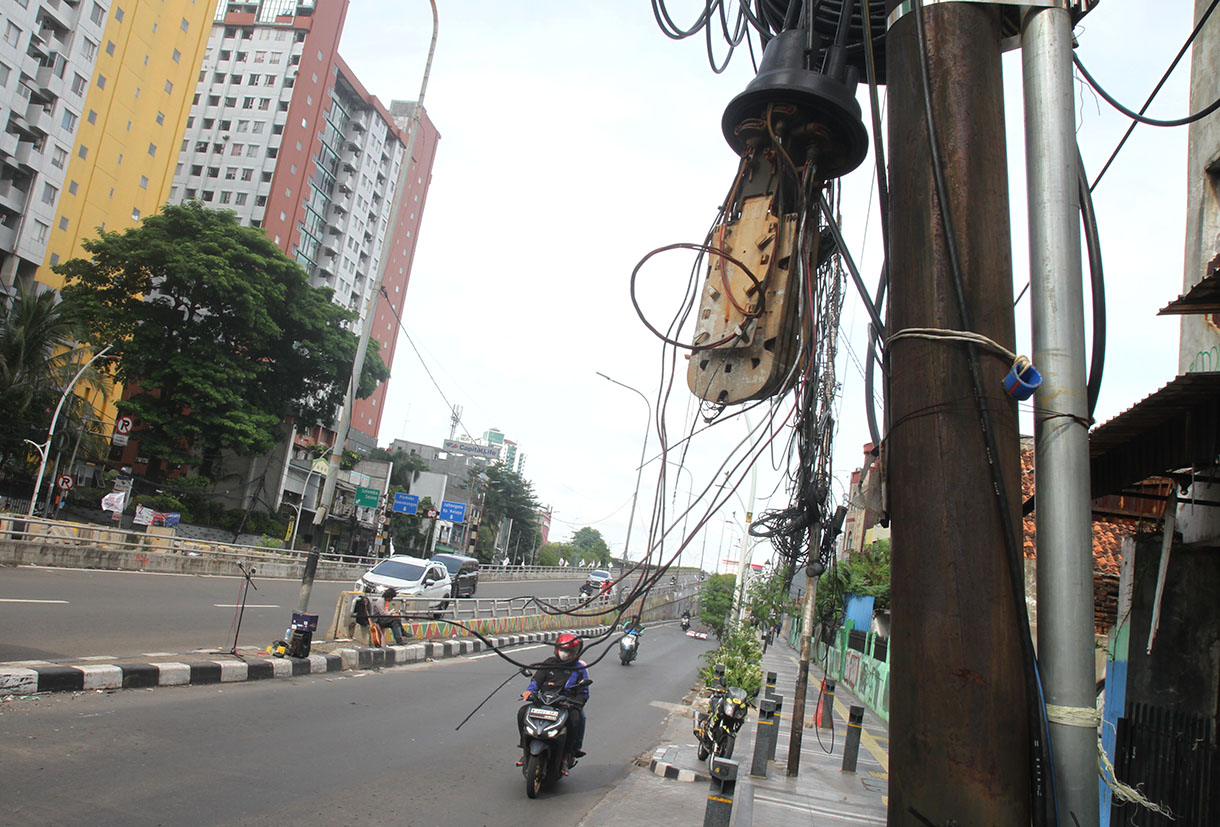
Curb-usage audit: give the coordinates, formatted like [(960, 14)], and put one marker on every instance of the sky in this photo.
[(576, 138)]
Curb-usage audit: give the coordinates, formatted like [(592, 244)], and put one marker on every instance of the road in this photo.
[(356, 748), (56, 613)]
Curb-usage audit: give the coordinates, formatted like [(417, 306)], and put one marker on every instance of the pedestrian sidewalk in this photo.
[(672, 786)]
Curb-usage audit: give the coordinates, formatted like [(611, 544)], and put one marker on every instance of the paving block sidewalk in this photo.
[(671, 785)]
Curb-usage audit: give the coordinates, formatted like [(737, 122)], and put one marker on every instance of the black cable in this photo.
[(1097, 279), (1135, 116), (1147, 103), (1039, 756)]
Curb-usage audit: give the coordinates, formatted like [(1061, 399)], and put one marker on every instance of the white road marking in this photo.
[(248, 605), (514, 650), (159, 654), (98, 657), (23, 600)]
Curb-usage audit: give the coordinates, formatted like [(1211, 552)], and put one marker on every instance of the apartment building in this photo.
[(93, 101), (284, 134)]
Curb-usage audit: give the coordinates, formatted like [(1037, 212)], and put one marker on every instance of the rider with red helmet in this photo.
[(562, 670)]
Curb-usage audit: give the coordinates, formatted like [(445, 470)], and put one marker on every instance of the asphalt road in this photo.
[(56, 613), (355, 748)]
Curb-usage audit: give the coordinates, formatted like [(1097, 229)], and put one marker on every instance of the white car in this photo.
[(412, 577)]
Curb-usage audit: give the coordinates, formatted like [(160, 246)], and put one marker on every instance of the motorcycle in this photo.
[(547, 754), (685, 623), (716, 729), (628, 647)]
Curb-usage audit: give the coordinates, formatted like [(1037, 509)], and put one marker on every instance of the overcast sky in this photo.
[(576, 138)]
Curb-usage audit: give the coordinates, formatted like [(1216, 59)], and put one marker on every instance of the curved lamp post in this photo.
[(643, 449), (45, 448)]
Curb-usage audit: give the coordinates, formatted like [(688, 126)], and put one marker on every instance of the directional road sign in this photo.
[(405, 503), (453, 512)]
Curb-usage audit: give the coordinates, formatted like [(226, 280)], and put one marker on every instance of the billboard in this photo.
[(471, 448)]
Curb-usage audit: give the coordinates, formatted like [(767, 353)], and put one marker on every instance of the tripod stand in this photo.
[(249, 583)]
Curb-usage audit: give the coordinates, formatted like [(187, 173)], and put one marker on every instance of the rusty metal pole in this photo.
[(796, 730), (958, 716)]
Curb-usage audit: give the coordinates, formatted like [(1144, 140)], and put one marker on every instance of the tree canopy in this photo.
[(508, 495), (592, 546), (866, 574), (716, 602), (218, 334), (38, 359)]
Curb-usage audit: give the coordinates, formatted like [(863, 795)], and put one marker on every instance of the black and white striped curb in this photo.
[(34, 677), (661, 765)]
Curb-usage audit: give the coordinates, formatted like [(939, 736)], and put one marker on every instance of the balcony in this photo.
[(8, 143), (53, 14), (8, 238), (27, 154), (12, 196), (37, 120)]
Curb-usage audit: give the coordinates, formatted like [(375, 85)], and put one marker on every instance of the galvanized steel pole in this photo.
[(1064, 513)]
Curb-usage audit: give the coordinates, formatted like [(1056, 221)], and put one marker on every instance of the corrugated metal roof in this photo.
[(1176, 427), (1204, 297)]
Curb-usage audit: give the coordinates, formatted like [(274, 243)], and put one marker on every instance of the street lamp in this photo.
[(643, 449), (45, 449)]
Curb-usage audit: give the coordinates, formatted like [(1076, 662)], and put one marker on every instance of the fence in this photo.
[(859, 660), (1172, 757)]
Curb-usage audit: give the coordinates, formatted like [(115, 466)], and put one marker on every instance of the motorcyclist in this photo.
[(634, 626), (563, 669), (686, 618)]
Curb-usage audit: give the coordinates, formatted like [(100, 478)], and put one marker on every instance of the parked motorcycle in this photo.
[(628, 648), (717, 728), (547, 753)]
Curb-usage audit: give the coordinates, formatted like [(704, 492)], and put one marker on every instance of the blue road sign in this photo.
[(405, 503), (453, 512)]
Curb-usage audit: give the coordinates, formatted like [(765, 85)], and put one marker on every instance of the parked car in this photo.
[(598, 582), (412, 577), (463, 571)]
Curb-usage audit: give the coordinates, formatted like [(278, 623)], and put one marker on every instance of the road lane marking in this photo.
[(248, 605), (26, 600)]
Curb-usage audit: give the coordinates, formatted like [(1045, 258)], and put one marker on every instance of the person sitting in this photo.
[(634, 626), (384, 615), (563, 670)]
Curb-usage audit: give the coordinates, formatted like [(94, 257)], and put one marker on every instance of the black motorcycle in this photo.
[(547, 753), (717, 728)]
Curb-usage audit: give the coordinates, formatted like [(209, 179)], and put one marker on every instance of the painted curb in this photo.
[(39, 678), (658, 766)]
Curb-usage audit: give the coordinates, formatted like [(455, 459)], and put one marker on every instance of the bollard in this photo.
[(720, 799), (851, 746), (764, 739), (779, 707), (769, 686), (825, 716)]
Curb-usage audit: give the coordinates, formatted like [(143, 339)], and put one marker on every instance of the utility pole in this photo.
[(797, 731), (1064, 513), (960, 732)]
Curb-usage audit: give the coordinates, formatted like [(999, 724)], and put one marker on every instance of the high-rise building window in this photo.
[(160, 117), (152, 150), (143, 182), (79, 84), (4, 73), (71, 188), (118, 13), (49, 194), (68, 120), (110, 47), (59, 157), (83, 152), (12, 33), (101, 81), (98, 14), (40, 232), (169, 87), (176, 56)]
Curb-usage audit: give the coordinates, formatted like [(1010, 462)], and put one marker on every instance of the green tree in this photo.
[(410, 532), (716, 602), (549, 554), (767, 598), (218, 335), (866, 574), (38, 358), (508, 495), (592, 546)]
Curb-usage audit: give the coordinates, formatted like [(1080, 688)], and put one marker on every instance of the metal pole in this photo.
[(796, 730), (643, 450), (1064, 515), (958, 712), (366, 330), (739, 595), (46, 449)]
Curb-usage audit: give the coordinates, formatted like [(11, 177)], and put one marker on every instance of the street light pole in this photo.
[(46, 448), (366, 332), (643, 450)]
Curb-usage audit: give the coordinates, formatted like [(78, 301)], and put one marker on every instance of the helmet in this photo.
[(567, 646)]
